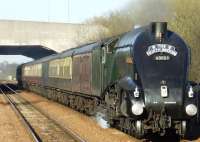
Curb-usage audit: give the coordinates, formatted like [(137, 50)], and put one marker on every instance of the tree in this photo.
[(182, 16), (186, 22)]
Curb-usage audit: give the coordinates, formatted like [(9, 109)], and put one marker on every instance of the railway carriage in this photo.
[(140, 78)]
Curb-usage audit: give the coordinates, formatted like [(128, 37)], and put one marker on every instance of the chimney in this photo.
[(159, 30)]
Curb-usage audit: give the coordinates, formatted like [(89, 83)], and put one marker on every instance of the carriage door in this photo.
[(86, 73)]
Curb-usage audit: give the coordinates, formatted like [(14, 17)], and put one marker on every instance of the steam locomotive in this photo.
[(140, 80)]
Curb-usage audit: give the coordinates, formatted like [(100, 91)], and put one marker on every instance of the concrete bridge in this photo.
[(15, 36)]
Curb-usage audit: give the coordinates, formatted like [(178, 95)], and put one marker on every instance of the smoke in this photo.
[(145, 11), (100, 119)]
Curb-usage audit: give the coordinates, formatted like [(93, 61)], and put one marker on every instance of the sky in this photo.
[(70, 11), (19, 59), (64, 11)]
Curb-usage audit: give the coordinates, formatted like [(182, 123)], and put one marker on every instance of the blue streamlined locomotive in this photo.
[(140, 78)]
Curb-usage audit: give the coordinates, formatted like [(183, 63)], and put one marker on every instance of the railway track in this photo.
[(39, 126)]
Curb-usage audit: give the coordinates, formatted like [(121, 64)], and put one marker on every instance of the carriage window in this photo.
[(33, 70), (61, 68), (111, 45)]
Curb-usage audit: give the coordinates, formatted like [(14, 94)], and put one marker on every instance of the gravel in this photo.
[(84, 126), (11, 129)]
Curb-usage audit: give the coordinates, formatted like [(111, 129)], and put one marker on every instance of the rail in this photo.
[(28, 126)]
